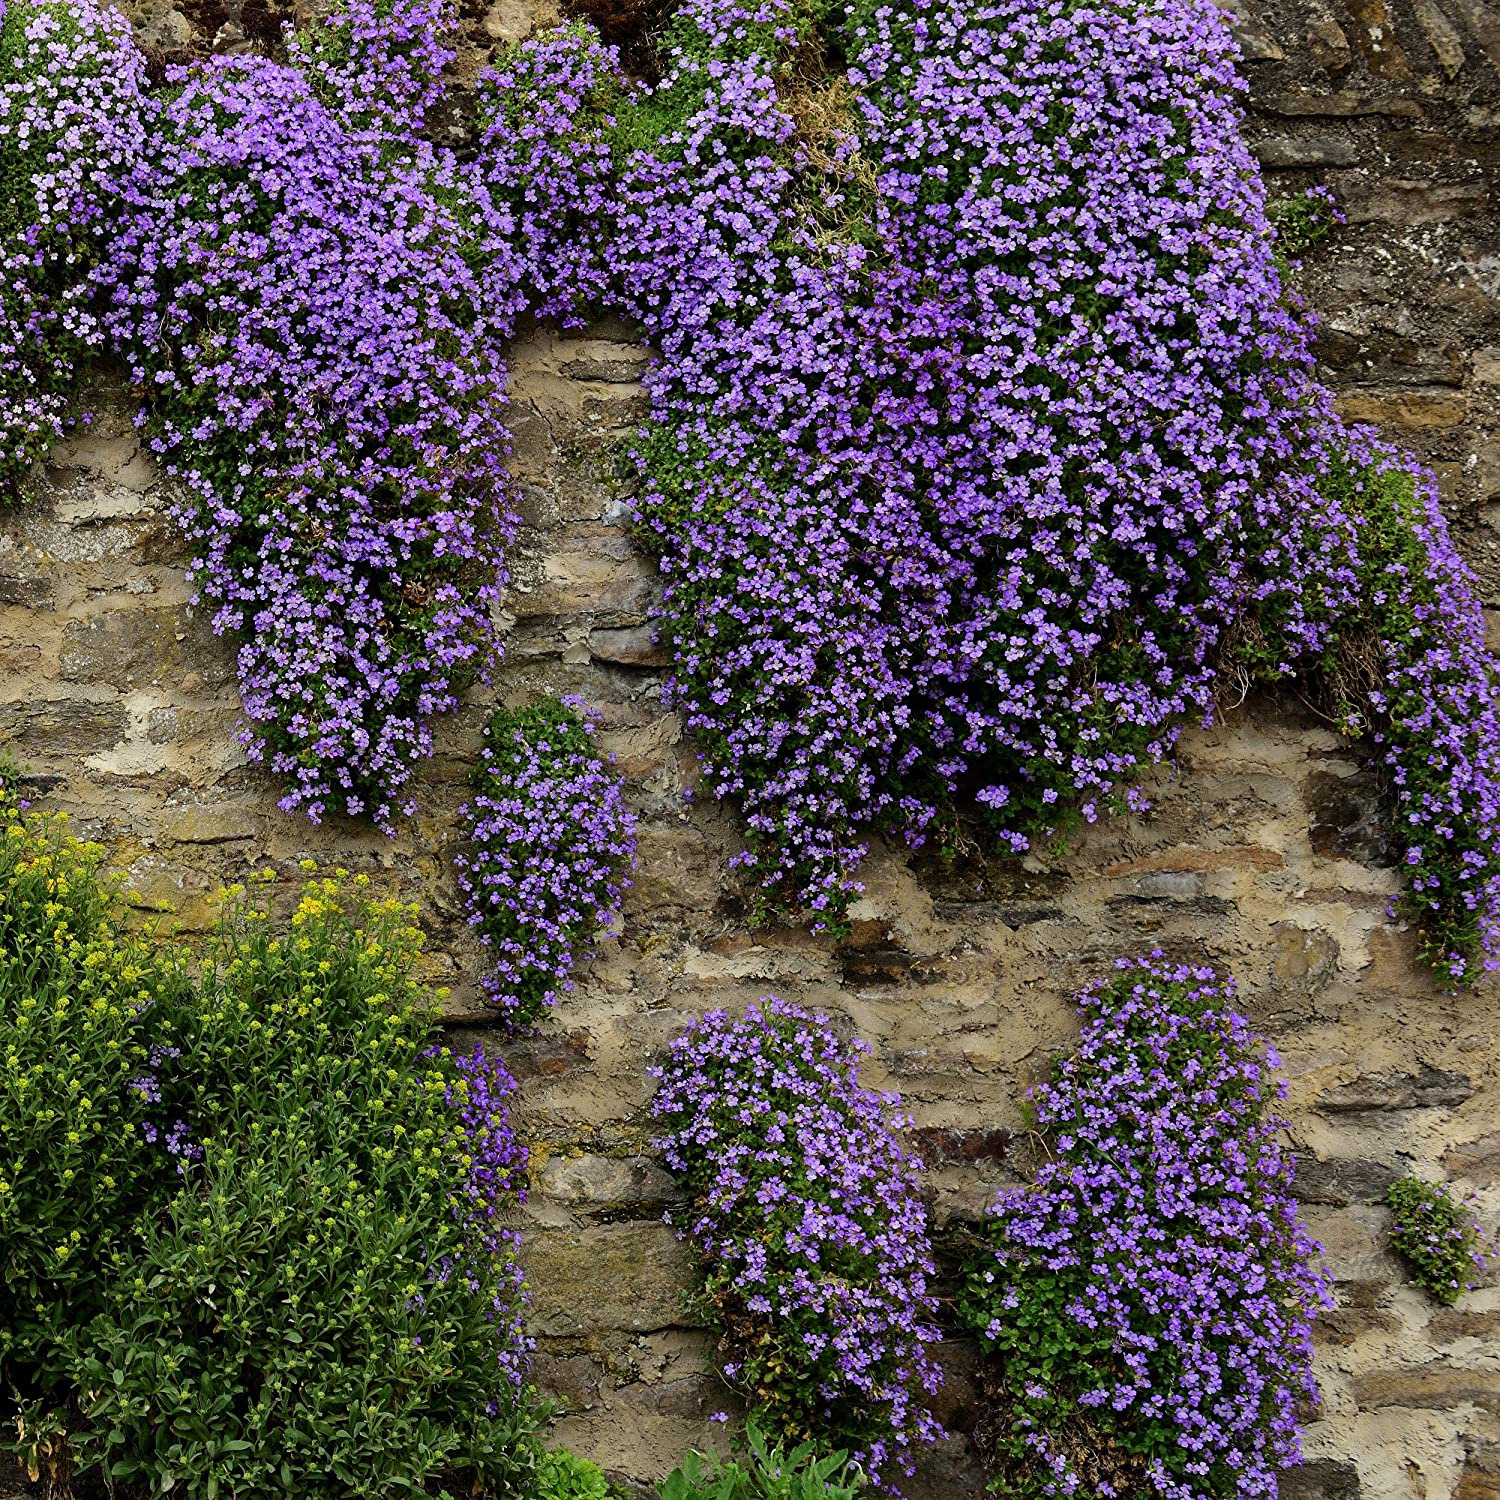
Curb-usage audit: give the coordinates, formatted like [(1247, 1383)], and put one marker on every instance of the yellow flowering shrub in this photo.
[(251, 1207), (82, 1006)]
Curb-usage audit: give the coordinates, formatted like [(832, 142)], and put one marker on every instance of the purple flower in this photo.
[(809, 1230), (549, 836), (1149, 1298)]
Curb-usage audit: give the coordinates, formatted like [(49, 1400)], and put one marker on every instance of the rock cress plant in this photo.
[(984, 432), (1149, 1298), (549, 837), (315, 302), (72, 107), (809, 1230)]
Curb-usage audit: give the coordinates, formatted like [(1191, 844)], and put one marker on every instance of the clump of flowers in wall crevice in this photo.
[(809, 1230), (1147, 1301), (985, 435), (549, 839)]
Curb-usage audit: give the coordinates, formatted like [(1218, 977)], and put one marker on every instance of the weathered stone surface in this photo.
[(1343, 1326), (1322, 1479), (1256, 43), (1346, 817), (1302, 961), (601, 574), (1340, 106), (604, 1185), (549, 1054), (1478, 1484), (1431, 1387), (1375, 36), (1480, 1479), (942, 1145), (1427, 1088), (1341, 1181), (1283, 151), (1452, 1323), (68, 727), (609, 1276), (634, 646), (1478, 1161), (1411, 202), (1442, 37), (1406, 411), (573, 1380)]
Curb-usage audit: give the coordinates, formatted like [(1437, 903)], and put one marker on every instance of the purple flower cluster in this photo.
[(1433, 708), (984, 431), (809, 1228), (316, 310), (549, 837), (547, 160), (72, 92), (379, 62), (1150, 1298), (492, 1177)]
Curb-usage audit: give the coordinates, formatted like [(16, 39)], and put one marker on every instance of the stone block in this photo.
[(125, 647), (1322, 1479), (632, 646), (610, 1277), (1431, 1387), (30, 592), (549, 1054), (1442, 37), (1476, 1161), (1450, 1324), (607, 1185), (1350, 104), (572, 1380), (1410, 411), (1427, 1088), (674, 867), (943, 1145), (71, 727), (1409, 202), (1292, 151), (1339, 1327), (1346, 817), (593, 574), (1341, 1181)]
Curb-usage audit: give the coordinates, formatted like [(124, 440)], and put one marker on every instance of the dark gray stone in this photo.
[(1284, 151), (1346, 817), (1428, 1088), (1323, 1479), (70, 727), (1341, 1181), (29, 593), (941, 1145)]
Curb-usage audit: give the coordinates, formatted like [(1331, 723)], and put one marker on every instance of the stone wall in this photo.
[(1263, 852)]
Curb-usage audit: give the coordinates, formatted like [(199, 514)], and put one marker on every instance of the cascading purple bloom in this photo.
[(491, 1175), (316, 310), (809, 1228), (1150, 1297), (549, 839), (984, 431), (73, 107)]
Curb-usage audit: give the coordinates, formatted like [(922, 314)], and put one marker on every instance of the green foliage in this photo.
[(81, 1004), (237, 1254), (1438, 1236), (761, 1470), (1300, 222), (566, 1476)]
